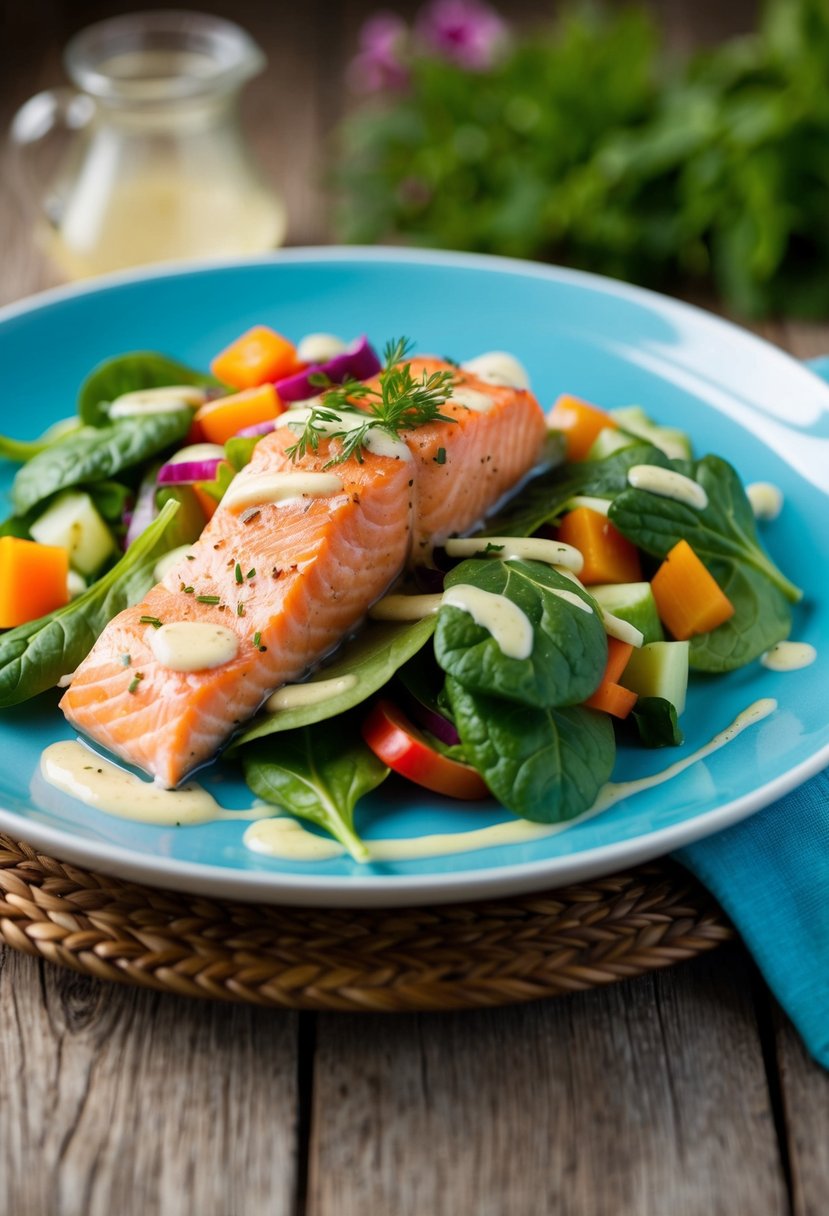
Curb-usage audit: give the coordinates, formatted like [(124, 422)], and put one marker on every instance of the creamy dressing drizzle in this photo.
[(378, 441), (623, 631), (192, 645), (405, 607), (600, 505), (480, 403), (498, 367), (517, 548), (509, 626), (789, 656), (666, 483), (157, 400), (293, 696), (766, 500), (319, 348), (572, 598), (279, 488), (274, 838)]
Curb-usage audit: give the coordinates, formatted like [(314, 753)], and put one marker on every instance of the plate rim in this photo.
[(399, 890)]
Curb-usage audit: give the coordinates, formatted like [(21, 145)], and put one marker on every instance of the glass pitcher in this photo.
[(156, 167)]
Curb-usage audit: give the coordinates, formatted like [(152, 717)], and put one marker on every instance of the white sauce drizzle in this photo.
[(766, 500), (278, 488), (405, 607), (294, 696), (789, 656), (481, 403), (573, 598), (192, 645), (498, 367), (157, 400), (666, 483), (623, 631), (198, 451), (600, 505), (378, 441), (517, 548), (272, 838), (319, 348), (509, 626)]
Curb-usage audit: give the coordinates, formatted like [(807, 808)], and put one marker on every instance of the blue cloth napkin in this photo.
[(771, 875)]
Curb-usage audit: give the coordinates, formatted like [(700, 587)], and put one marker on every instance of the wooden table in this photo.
[(686, 1092)]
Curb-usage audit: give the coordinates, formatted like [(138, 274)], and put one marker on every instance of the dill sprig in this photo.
[(398, 403)]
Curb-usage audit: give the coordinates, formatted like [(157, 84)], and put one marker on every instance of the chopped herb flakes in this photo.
[(207, 599), (240, 578), (125, 660), (150, 620), (440, 458), (135, 681), (493, 548), (240, 609), (257, 638), (251, 573), (188, 590)]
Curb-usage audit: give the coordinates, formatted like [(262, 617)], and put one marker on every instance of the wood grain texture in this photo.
[(646, 1099), (805, 1110), (119, 1101)]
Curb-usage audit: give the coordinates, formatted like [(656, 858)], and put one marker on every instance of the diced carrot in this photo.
[(32, 580), (688, 599), (608, 556), (612, 699), (258, 356), (618, 654), (219, 420), (580, 422)]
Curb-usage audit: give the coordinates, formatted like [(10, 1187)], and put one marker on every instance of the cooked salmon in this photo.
[(291, 579)]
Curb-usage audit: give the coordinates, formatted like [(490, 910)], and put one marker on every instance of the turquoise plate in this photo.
[(602, 340)]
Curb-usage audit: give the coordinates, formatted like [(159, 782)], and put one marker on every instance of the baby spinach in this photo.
[(24, 449), (111, 499), (34, 656), (724, 536), (372, 658), (546, 765), (129, 373), (98, 455), (569, 647), (657, 723), (239, 449), (319, 776)]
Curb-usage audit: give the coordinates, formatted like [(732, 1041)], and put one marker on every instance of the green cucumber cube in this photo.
[(609, 440), (634, 603), (659, 669), (669, 439), (72, 523)]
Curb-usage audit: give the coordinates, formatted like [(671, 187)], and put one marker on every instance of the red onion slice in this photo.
[(186, 472), (359, 362), (258, 428)]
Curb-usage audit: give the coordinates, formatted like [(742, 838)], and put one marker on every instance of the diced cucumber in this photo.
[(669, 439), (609, 440), (634, 603), (72, 523), (659, 669), (75, 584)]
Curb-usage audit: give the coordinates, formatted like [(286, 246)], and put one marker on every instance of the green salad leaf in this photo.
[(34, 656), (546, 765), (24, 449), (318, 775), (569, 649), (127, 374), (657, 723), (98, 455)]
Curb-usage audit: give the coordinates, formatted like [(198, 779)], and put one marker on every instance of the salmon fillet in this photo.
[(318, 565)]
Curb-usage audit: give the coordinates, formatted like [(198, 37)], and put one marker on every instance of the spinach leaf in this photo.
[(128, 373), (34, 656), (110, 498), (239, 449), (96, 456), (544, 498), (569, 648), (547, 765), (24, 449), (18, 525), (317, 775), (371, 658), (657, 723), (724, 536)]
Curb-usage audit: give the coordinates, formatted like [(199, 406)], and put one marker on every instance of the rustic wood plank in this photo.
[(805, 1102), (645, 1098), (121, 1101)]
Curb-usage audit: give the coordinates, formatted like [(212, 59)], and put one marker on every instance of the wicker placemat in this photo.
[(447, 957)]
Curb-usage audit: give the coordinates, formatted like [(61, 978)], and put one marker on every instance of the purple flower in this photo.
[(469, 32), (379, 63)]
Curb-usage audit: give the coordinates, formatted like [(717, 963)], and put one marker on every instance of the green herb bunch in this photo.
[(581, 143)]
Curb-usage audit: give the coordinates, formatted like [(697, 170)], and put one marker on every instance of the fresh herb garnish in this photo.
[(240, 609), (150, 620), (398, 402), (240, 578), (440, 458), (250, 574), (188, 590), (126, 659), (207, 599), (257, 638), (135, 681)]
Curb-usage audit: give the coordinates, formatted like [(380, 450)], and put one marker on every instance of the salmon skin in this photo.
[(310, 568)]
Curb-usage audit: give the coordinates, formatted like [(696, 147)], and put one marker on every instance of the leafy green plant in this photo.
[(657, 723), (583, 143), (128, 373)]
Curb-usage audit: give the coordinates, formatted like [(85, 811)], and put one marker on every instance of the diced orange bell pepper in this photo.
[(32, 580), (580, 422), (610, 696), (219, 420), (608, 556), (258, 356), (688, 598)]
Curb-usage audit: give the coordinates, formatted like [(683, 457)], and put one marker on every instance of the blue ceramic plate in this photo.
[(607, 342)]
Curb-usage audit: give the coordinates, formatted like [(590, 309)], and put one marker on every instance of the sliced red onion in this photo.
[(186, 472), (145, 509), (258, 428), (429, 580), (429, 719), (358, 361)]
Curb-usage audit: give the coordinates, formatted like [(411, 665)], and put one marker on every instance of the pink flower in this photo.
[(469, 32), (380, 61)]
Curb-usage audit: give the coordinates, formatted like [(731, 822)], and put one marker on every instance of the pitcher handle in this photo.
[(43, 118)]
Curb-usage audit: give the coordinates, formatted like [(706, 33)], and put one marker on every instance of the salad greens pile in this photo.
[(521, 724)]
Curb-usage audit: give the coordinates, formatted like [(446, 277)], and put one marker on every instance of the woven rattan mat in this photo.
[(447, 957)]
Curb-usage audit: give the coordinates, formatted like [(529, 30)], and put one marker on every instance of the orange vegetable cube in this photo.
[(206, 501), (258, 356), (608, 556), (580, 422), (688, 599), (32, 580), (612, 699), (219, 420)]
